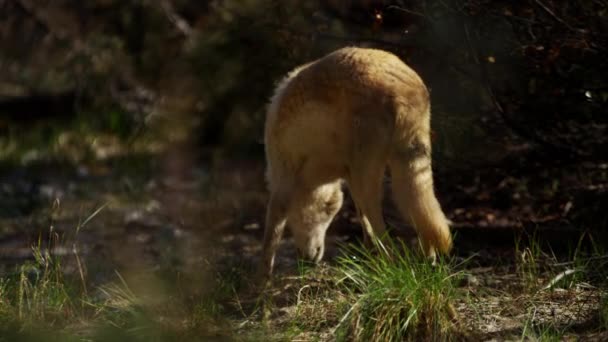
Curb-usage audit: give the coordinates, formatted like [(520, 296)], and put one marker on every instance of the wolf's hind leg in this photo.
[(365, 183)]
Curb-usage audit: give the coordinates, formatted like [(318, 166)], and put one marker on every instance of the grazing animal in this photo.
[(344, 118)]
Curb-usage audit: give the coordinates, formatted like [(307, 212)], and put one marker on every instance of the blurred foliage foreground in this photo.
[(130, 140)]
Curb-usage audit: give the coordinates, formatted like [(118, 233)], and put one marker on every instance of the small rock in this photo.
[(472, 280), (83, 171), (50, 192), (252, 226)]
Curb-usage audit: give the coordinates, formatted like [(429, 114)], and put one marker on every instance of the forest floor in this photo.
[(179, 238)]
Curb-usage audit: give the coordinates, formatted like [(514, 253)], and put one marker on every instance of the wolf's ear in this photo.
[(333, 203)]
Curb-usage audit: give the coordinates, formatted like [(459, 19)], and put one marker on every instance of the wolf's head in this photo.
[(310, 216)]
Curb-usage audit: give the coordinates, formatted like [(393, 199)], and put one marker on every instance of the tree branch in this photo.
[(180, 23)]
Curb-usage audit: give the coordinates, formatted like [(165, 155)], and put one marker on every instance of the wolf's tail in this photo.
[(413, 191)]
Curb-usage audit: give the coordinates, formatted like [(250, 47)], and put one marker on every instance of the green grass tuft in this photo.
[(603, 313), (396, 295)]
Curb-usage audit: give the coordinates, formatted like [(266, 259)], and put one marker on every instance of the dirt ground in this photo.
[(178, 213)]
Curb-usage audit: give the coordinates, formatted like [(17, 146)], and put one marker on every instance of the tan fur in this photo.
[(346, 117)]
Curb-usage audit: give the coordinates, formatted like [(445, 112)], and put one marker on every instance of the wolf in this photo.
[(344, 119)]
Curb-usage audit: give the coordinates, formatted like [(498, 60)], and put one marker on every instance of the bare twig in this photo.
[(299, 301), (559, 277), (550, 11), (180, 23), (409, 11), (594, 258)]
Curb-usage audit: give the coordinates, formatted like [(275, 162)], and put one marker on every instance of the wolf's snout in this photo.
[(312, 254)]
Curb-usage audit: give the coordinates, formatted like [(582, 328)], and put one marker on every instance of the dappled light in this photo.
[(134, 182)]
